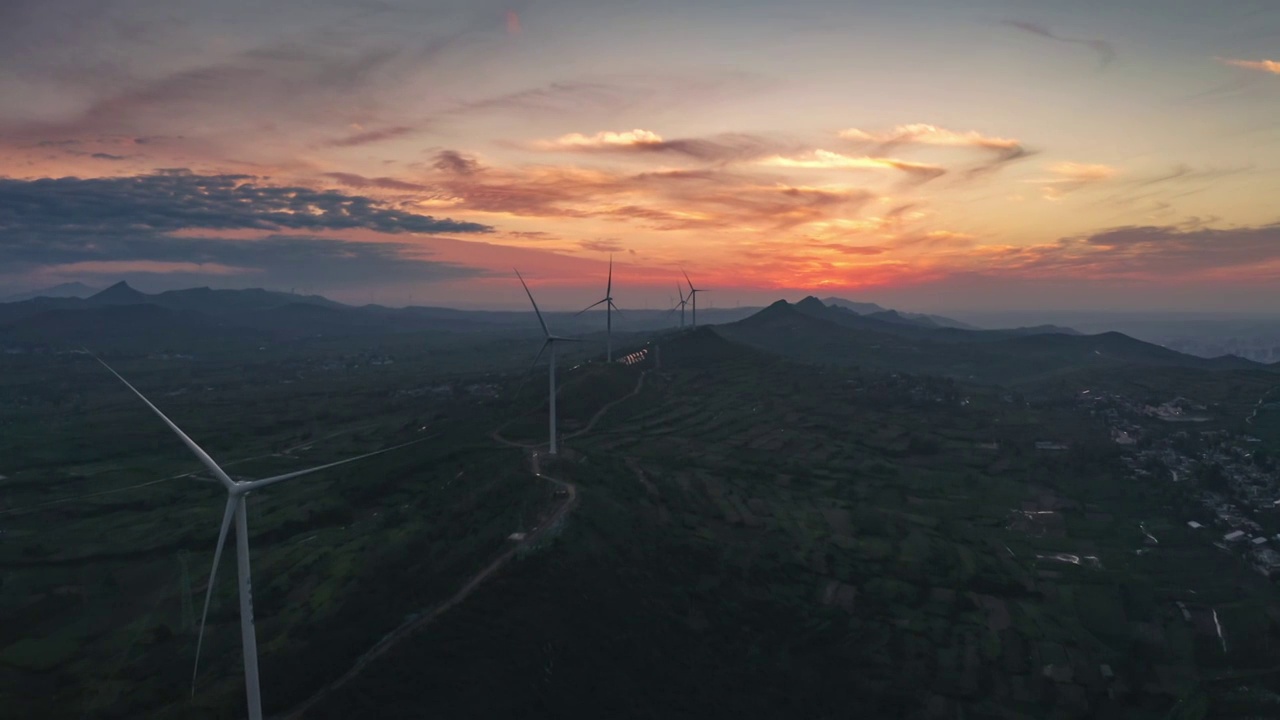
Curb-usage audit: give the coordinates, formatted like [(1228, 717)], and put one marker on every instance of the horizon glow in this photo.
[(934, 156)]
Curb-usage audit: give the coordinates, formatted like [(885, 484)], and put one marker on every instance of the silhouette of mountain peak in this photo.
[(119, 294), (811, 303)]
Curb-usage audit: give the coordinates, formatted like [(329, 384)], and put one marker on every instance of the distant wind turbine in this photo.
[(693, 296), (236, 492), (680, 305), (609, 307), (550, 342)]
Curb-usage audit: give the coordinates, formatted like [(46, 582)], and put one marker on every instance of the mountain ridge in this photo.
[(812, 332)]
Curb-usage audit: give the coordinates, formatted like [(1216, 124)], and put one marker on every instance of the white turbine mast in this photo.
[(609, 307), (549, 342), (236, 510), (693, 296), (680, 305)]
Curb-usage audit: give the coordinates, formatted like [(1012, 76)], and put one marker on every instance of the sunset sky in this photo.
[(939, 155)]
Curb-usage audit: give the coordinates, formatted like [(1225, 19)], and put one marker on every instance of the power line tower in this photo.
[(188, 612)]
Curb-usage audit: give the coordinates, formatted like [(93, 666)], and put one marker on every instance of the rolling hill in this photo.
[(810, 331)]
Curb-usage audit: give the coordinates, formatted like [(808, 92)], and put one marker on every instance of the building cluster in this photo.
[(1239, 492)]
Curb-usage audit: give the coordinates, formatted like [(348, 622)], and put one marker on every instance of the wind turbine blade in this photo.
[(681, 291), (191, 444), (255, 484), (213, 574), (686, 279), (615, 307), (541, 350), (590, 306), (608, 292), (538, 312), (532, 365)]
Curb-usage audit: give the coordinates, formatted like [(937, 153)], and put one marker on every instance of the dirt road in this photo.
[(547, 526), (406, 630)]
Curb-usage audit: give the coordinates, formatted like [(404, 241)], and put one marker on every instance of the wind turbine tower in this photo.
[(188, 613), (236, 510), (609, 307), (693, 296), (549, 342), (680, 305)]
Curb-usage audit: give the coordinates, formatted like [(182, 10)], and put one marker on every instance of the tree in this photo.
[(1212, 476)]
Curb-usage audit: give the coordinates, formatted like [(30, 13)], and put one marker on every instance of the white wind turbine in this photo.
[(609, 307), (680, 305), (693, 295), (236, 492), (550, 342)]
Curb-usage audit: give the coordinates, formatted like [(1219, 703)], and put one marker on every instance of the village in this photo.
[(1228, 474)]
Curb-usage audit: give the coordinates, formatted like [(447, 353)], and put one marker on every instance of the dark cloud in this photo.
[(1001, 159), (175, 200), (108, 156), (533, 235), (1178, 182), (152, 223), (452, 161), (1157, 252), (383, 183), (332, 67), (274, 261), (850, 249), (1106, 51), (614, 93), (1186, 173), (729, 147), (602, 245), (372, 136), (554, 98)]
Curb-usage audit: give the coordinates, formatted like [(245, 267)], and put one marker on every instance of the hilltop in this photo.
[(895, 316), (811, 331), (64, 290)]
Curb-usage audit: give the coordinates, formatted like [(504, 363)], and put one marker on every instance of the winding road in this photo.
[(547, 526)]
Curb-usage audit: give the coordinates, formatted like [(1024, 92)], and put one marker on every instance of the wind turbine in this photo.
[(693, 295), (609, 307), (236, 492), (680, 305), (550, 342)]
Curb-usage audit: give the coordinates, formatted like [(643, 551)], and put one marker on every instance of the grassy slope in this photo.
[(762, 540)]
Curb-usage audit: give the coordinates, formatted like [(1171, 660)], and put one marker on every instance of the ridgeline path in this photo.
[(406, 630)]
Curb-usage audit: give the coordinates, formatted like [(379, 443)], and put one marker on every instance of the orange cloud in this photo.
[(601, 140), (826, 160), (1003, 150), (513, 23), (668, 200), (1080, 172), (924, 134), (1268, 66), (1071, 176)]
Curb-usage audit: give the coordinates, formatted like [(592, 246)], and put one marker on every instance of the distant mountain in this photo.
[(813, 332), (254, 315), (65, 290), (875, 311), (119, 294), (859, 307), (1042, 330)]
